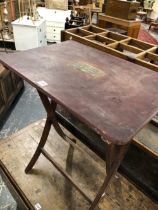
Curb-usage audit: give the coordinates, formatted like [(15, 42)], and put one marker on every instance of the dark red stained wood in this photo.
[(118, 101)]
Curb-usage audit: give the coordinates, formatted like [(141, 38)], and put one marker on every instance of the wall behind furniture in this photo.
[(154, 13)]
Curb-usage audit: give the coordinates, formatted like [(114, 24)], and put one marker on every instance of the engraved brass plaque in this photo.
[(88, 69)]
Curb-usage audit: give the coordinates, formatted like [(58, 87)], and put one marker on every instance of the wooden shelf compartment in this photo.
[(114, 36), (100, 39), (80, 32), (93, 29), (139, 44), (149, 59), (127, 52)]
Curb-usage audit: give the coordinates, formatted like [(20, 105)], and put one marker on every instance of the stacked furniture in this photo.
[(10, 86), (121, 14), (122, 9), (131, 26)]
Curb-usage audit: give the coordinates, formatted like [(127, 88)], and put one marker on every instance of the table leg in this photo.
[(40, 145), (114, 156), (50, 107)]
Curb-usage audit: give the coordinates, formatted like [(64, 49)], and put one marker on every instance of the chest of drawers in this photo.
[(29, 34), (55, 22)]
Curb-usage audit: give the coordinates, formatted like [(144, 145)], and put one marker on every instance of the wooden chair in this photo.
[(87, 8), (83, 10), (155, 24)]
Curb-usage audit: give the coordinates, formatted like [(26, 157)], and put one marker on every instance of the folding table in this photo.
[(112, 96)]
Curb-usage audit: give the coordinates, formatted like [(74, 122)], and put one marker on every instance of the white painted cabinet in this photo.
[(55, 22), (29, 34)]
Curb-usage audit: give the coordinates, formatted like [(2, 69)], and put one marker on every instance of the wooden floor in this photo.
[(147, 140), (46, 186)]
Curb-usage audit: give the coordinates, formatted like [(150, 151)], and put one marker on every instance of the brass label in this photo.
[(87, 68)]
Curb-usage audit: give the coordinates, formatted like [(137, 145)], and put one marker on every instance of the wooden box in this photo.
[(122, 9), (10, 85), (119, 45)]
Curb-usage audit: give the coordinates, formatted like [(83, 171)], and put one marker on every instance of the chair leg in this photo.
[(149, 27)]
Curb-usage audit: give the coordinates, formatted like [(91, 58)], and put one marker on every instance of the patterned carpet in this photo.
[(145, 36)]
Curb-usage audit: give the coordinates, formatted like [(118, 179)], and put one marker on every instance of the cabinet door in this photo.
[(7, 86)]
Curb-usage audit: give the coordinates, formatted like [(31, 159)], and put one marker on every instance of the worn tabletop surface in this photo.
[(114, 97)]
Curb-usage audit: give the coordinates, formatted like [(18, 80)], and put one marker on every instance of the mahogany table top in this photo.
[(114, 97)]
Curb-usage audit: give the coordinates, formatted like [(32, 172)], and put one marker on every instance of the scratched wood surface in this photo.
[(47, 187), (106, 101)]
